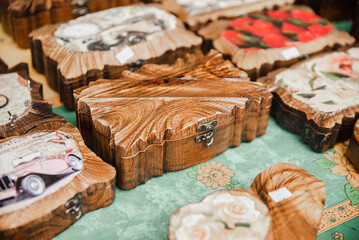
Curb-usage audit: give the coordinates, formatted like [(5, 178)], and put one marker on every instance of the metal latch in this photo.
[(80, 7), (208, 136), (74, 206)]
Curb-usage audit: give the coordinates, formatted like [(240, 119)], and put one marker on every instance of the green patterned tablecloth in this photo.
[(144, 212)]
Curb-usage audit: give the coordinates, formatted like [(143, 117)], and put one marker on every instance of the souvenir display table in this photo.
[(145, 211)]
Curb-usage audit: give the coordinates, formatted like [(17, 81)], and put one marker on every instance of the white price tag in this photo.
[(125, 55), (280, 194), (290, 53)]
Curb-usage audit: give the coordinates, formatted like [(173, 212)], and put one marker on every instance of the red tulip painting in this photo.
[(276, 29)]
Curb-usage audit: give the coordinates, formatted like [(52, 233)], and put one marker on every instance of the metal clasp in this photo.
[(29, 85), (80, 7), (11, 118), (208, 136), (74, 206)]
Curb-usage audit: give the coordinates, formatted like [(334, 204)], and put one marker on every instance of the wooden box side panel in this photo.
[(353, 148)]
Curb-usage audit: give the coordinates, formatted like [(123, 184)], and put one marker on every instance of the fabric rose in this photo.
[(304, 16), (275, 40), (262, 28), (233, 37), (291, 28), (199, 227), (279, 15), (243, 23), (233, 209)]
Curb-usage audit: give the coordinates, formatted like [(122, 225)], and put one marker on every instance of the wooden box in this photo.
[(49, 180), (20, 17), (283, 202), (197, 14), (318, 98), (261, 42), (109, 42), (22, 106), (353, 148), (147, 127)]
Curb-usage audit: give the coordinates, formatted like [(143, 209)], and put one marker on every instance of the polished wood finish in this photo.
[(38, 113), (147, 127), (320, 130), (259, 63), (20, 17), (197, 21), (353, 148), (46, 217), (297, 217), (67, 69)]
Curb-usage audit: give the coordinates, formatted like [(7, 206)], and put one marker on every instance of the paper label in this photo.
[(280, 194), (290, 53), (125, 55)]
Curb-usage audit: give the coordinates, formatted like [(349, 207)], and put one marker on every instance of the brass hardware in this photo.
[(210, 133), (74, 206), (11, 118), (29, 84), (80, 7)]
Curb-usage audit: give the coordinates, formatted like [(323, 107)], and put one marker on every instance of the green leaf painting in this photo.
[(313, 67), (332, 75), (311, 82), (320, 88), (281, 83), (352, 193), (330, 102), (239, 224), (325, 163), (306, 95), (192, 174)]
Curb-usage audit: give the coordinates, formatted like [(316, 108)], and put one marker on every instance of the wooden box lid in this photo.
[(22, 106), (261, 42), (103, 44), (147, 127), (199, 13), (66, 180), (283, 202), (318, 98), (20, 17)]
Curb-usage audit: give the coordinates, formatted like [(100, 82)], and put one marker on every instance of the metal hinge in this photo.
[(80, 7), (208, 136), (74, 206)]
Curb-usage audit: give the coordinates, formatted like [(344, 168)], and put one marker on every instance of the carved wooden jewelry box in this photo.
[(353, 148), (147, 127), (198, 13), (318, 98), (261, 42), (283, 202), (49, 180), (22, 106), (20, 17), (103, 44)]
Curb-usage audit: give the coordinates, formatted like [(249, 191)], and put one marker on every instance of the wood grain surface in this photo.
[(147, 127), (20, 17), (196, 21), (38, 113), (320, 129), (46, 217), (67, 69), (353, 148), (259, 63), (296, 217)]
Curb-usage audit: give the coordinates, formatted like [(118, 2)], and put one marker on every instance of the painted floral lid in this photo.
[(328, 83), (276, 29)]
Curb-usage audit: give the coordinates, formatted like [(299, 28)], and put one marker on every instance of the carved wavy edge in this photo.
[(39, 112), (23, 16), (196, 21), (289, 218), (353, 148), (192, 65), (46, 218), (99, 135), (66, 69), (261, 62), (318, 129)]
